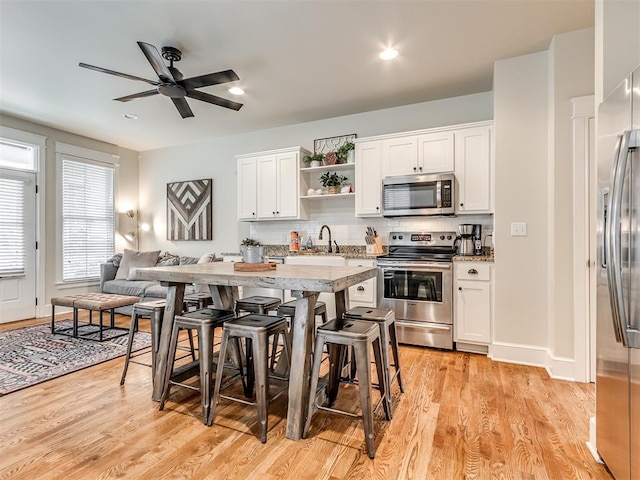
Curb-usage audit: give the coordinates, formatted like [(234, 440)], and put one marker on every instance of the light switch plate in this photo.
[(518, 229)]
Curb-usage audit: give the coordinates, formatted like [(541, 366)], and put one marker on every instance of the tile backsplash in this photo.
[(349, 230)]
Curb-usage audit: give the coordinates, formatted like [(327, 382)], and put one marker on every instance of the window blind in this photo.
[(12, 227), (88, 218)]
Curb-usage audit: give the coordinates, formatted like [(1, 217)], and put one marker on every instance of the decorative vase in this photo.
[(252, 253), (334, 189), (315, 163), (330, 158), (351, 156)]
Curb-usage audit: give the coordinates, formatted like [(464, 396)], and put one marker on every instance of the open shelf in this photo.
[(329, 195), (337, 166)]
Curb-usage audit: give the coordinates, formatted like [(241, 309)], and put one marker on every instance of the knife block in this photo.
[(376, 247)]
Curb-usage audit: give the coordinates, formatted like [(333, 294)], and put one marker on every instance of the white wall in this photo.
[(520, 119), (215, 159), (127, 195), (534, 182)]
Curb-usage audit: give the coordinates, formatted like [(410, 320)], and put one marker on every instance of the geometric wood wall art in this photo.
[(189, 210)]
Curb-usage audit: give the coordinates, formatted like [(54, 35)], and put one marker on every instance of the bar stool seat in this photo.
[(361, 336), (256, 330), (288, 309), (257, 304), (386, 320), (205, 321), (197, 300)]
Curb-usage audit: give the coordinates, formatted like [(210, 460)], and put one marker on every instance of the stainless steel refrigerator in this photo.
[(618, 290)]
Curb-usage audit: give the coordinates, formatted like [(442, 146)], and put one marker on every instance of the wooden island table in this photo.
[(305, 283)]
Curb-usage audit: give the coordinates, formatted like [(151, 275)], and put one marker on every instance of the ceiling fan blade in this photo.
[(156, 62), (183, 107), (127, 98), (117, 74), (209, 79), (222, 102)]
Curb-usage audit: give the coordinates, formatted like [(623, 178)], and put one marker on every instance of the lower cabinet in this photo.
[(363, 294), (472, 306)]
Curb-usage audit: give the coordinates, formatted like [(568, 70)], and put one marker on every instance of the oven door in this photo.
[(417, 292)]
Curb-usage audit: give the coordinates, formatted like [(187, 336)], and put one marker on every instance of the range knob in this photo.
[(449, 237), (441, 237), (400, 237), (394, 237)]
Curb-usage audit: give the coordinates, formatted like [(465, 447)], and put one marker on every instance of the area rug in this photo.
[(32, 355)]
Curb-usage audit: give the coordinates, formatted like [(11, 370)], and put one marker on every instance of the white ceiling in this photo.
[(298, 61)]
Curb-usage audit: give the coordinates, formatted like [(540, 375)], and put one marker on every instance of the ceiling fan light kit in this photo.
[(171, 83)]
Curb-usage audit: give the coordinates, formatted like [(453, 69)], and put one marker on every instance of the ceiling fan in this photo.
[(171, 82)]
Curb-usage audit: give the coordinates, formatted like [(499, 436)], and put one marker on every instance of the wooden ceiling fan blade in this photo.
[(209, 79), (183, 107), (127, 98), (117, 74), (154, 58), (221, 102)]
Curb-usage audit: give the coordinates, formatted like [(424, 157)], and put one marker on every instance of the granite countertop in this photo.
[(351, 251)]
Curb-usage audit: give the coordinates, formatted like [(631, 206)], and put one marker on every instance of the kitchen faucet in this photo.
[(330, 249)]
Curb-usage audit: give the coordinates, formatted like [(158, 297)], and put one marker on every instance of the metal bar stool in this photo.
[(197, 300), (361, 336), (205, 321), (256, 330), (288, 310), (386, 320), (257, 304)]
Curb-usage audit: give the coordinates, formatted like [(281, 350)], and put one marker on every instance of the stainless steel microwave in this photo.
[(418, 195)]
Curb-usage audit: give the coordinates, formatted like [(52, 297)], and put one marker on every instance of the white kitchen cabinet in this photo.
[(247, 187), (368, 179), (473, 170), (472, 305), (400, 156), (277, 185), (435, 152), (363, 294)]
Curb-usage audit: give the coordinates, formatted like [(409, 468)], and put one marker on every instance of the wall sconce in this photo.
[(130, 213)]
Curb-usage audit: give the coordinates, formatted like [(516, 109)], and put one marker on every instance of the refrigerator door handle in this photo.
[(605, 211), (630, 337)]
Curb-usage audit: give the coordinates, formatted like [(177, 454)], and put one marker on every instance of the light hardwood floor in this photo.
[(461, 416)]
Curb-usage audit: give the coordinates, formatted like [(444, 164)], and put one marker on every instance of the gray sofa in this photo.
[(139, 288)]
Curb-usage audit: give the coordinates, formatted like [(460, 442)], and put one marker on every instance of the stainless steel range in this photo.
[(416, 280)]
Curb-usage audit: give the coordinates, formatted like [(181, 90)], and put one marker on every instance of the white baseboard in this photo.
[(591, 444), (557, 367)]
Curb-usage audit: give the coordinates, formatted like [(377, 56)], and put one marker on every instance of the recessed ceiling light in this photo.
[(236, 91), (389, 54), (130, 116)]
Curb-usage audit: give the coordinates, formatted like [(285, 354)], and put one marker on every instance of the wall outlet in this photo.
[(518, 229)]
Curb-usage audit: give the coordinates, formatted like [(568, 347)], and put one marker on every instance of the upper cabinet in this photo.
[(369, 179), (418, 153), (465, 150), (473, 170), (269, 185)]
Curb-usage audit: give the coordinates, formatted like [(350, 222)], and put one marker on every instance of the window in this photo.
[(12, 227), (87, 216)]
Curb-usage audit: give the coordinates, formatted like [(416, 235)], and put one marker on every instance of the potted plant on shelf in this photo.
[(314, 160), (252, 251), (346, 152), (332, 181)]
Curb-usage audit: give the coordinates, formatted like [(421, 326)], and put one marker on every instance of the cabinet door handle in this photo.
[(377, 208), (360, 288), (278, 213), (460, 288), (414, 169), (472, 271), (462, 204), (420, 168)]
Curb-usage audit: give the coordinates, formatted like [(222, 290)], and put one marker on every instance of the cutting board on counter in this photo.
[(253, 267)]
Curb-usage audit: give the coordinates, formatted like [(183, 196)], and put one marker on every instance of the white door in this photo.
[(473, 170), (267, 182), (17, 245), (368, 180), (400, 156), (287, 185), (435, 152), (247, 186)]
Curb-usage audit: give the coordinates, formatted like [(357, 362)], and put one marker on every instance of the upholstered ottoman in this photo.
[(93, 302)]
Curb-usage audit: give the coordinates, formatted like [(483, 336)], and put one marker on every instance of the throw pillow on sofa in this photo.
[(132, 259)]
